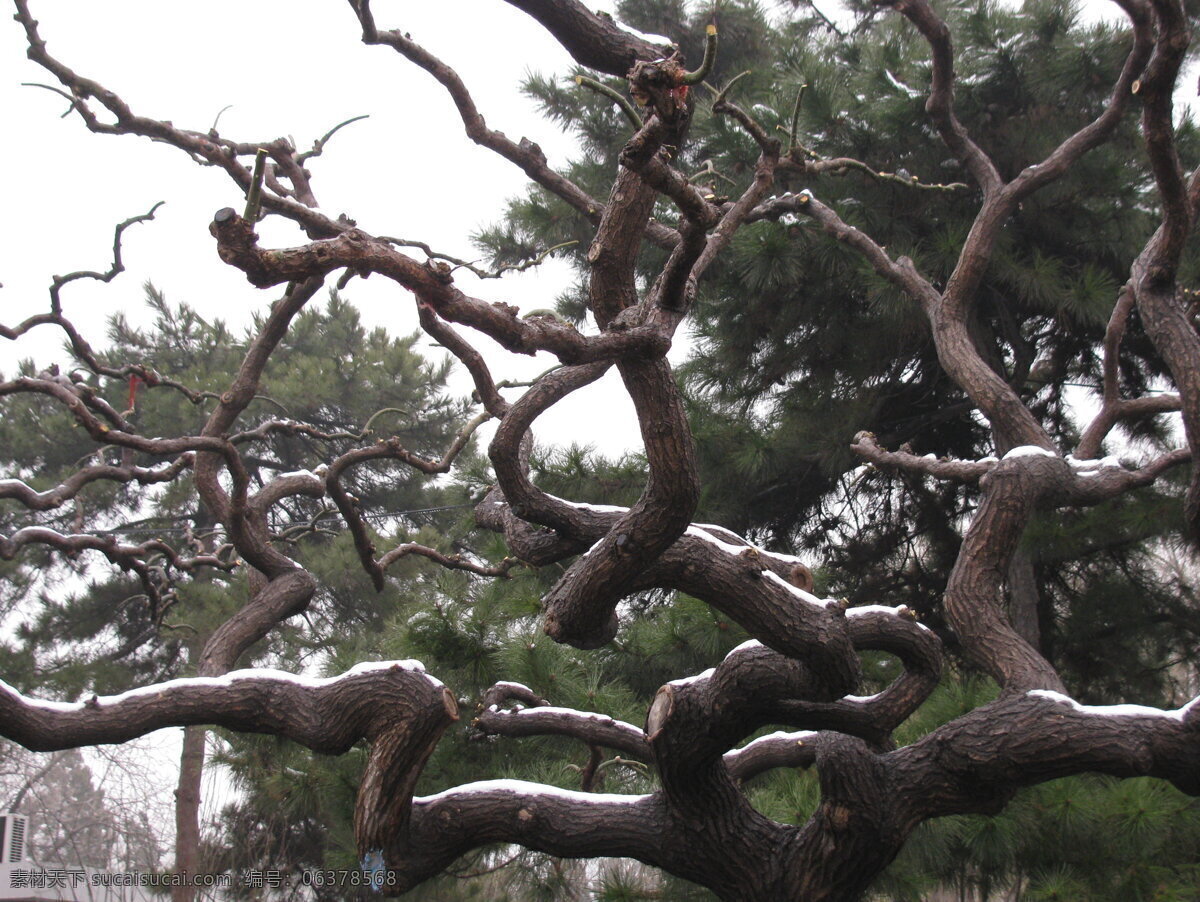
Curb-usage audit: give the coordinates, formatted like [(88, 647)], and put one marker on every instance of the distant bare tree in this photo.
[(77, 819)]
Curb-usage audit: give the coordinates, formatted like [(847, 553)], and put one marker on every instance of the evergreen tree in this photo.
[(799, 345), (334, 377), (104, 634)]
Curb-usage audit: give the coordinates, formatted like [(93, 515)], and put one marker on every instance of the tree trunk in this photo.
[(187, 812), (1023, 598)]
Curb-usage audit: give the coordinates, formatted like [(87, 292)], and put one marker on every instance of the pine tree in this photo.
[(105, 634), (949, 314)]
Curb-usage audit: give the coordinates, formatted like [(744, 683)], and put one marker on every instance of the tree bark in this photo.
[(187, 812), (1023, 598)]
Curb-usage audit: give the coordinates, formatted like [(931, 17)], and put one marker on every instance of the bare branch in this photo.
[(68, 489), (524, 154), (496, 273), (471, 359), (539, 718), (594, 40), (206, 148), (319, 145), (391, 449), (967, 472), (431, 284), (1050, 736)]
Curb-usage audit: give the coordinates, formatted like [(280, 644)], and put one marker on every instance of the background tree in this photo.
[(333, 377), (655, 252), (80, 819)]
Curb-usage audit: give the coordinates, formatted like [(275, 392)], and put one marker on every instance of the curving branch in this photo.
[(326, 715), (77, 481), (533, 716), (432, 285), (207, 148), (968, 766), (544, 818), (775, 750), (802, 670), (485, 386), (524, 154), (393, 705), (118, 265), (1114, 408), (1153, 273), (136, 558), (593, 39), (496, 273), (960, 471)]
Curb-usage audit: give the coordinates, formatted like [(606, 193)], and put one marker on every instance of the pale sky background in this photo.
[(284, 68), (408, 170)]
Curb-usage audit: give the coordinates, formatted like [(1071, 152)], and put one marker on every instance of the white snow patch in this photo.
[(252, 673), (1114, 710), (511, 686), (748, 644), (309, 473), (727, 547), (1092, 466), (881, 609), (714, 530), (530, 791), (584, 715), (806, 597), (771, 738), (901, 86), (1029, 451), (10, 484), (860, 699), (684, 681), (594, 546), (598, 508), (656, 39), (701, 531), (20, 534)]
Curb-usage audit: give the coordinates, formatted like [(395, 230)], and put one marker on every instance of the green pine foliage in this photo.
[(797, 346)]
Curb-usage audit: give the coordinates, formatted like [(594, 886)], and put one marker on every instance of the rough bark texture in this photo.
[(802, 671)]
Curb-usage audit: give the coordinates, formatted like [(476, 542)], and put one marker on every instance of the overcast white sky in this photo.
[(408, 170)]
